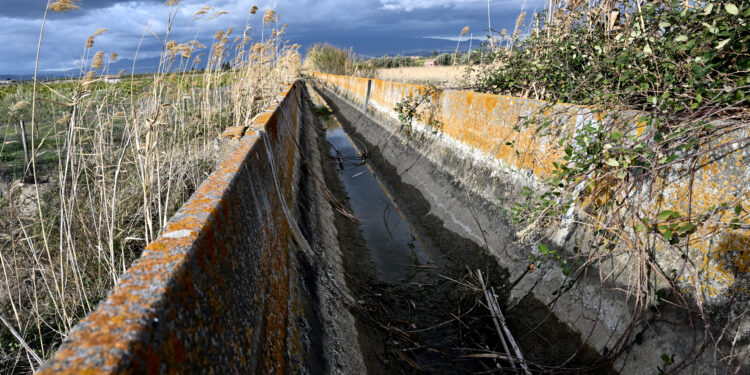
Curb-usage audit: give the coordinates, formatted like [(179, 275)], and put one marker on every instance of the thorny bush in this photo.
[(667, 84)]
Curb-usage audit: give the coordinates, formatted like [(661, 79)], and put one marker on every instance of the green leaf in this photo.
[(565, 269), (681, 38), (737, 210), (543, 249), (667, 159), (708, 9), (723, 43), (731, 9), (668, 235), (647, 49), (666, 214), (612, 162), (711, 29)]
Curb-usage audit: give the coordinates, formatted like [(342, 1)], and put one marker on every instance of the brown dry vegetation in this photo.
[(124, 157), (445, 76)]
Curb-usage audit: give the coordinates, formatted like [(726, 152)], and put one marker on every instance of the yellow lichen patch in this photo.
[(166, 283), (733, 253), (234, 132), (485, 122)]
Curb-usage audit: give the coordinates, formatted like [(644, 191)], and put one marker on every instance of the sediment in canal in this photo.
[(431, 317)]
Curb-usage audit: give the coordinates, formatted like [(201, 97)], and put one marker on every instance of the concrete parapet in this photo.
[(225, 288)]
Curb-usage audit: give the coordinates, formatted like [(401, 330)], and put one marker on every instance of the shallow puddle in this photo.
[(395, 248)]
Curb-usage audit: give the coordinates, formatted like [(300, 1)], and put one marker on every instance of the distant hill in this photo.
[(367, 47), (408, 46), (146, 65)]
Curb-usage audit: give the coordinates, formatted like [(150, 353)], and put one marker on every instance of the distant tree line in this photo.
[(444, 59), (462, 58), (399, 61)]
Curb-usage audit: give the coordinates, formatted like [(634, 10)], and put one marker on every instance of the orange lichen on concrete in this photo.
[(220, 268), (494, 125), (234, 132)]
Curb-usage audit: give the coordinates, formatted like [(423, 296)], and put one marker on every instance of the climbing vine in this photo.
[(423, 107)]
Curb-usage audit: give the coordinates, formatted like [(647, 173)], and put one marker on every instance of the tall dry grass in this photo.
[(327, 58), (130, 154), (443, 76)]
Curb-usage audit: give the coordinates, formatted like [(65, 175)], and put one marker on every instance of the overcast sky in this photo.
[(369, 26)]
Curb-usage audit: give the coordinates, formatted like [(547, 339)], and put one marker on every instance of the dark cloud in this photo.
[(372, 27), (35, 9)]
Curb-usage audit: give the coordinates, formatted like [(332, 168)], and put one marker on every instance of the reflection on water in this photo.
[(393, 245)]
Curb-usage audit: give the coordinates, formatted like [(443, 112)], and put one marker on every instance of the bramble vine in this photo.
[(667, 84), (423, 107)]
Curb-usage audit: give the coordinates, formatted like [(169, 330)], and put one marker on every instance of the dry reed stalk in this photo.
[(463, 32), (126, 163)]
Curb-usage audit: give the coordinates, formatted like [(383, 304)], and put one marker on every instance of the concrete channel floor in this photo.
[(419, 309)]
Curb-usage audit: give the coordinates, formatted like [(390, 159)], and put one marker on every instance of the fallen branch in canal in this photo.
[(499, 319)]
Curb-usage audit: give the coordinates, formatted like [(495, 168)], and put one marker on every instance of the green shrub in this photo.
[(327, 58), (445, 59), (398, 61), (665, 57)]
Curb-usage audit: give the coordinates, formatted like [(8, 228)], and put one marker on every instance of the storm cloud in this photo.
[(371, 27)]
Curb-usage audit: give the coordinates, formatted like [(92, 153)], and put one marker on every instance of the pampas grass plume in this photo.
[(269, 17), (19, 105), (62, 6), (98, 60), (92, 37), (89, 79), (519, 23)]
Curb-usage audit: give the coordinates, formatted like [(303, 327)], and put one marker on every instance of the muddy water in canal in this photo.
[(419, 309)]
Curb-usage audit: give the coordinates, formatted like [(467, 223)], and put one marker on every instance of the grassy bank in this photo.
[(110, 163)]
